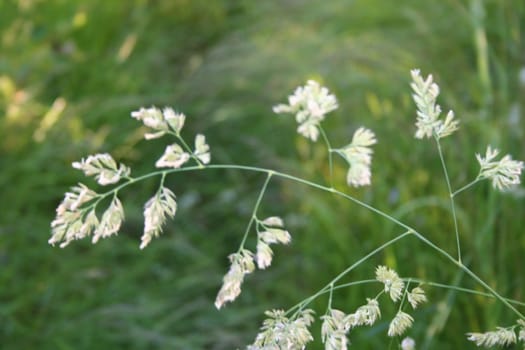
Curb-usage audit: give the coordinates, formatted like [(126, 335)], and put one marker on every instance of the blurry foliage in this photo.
[(71, 72)]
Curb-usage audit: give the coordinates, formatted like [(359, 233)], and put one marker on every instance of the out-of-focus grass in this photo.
[(70, 73)]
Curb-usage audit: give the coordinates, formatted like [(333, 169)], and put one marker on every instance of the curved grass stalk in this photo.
[(409, 229)]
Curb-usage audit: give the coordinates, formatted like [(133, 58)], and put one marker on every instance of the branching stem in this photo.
[(452, 204), (271, 173)]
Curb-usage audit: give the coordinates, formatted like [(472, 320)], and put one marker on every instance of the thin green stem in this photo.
[(452, 204), (188, 149), (470, 273), (461, 289), (323, 290), (254, 212), (338, 193), (404, 295), (330, 157), (330, 298), (162, 178), (428, 283), (466, 187)]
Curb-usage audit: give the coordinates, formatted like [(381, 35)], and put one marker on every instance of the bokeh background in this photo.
[(71, 72)]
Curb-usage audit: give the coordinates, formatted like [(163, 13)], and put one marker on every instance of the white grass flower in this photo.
[(364, 138), (155, 211), (416, 296), (401, 322), (393, 284), (501, 336), (159, 121), (334, 330), (275, 235), (279, 332), (365, 315), (408, 344), (173, 157), (310, 104), (175, 120), (152, 118), (273, 221), (65, 228), (359, 174), (103, 167), (202, 149), (521, 335), (274, 232), (110, 222), (263, 255), (71, 222), (428, 123), (358, 154), (241, 264), (504, 173), (71, 226), (75, 199)]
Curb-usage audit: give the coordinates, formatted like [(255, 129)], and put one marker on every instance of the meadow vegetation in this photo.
[(72, 71)]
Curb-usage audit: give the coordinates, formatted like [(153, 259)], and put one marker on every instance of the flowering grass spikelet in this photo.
[(428, 123), (175, 120), (334, 330), (393, 284), (279, 332), (401, 322), (310, 104), (504, 173), (103, 167), (274, 232), (152, 118), (71, 222), (75, 199), (241, 264), (416, 296), (161, 122), (501, 336), (155, 211), (110, 222), (521, 334), (365, 315), (173, 157), (358, 154), (202, 149), (264, 255), (408, 344)]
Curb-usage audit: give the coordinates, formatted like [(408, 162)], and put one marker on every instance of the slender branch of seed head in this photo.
[(470, 273), (452, 204), (162, 178), (466, 186), (404, 294), (330, 157), (341, 194), (331, 291), (323, 290), (428, 283), (255, 208)]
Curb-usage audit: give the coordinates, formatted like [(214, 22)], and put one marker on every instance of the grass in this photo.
[(225, 65)]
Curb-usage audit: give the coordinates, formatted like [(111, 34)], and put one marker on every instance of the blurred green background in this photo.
[(72, 71)]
